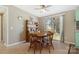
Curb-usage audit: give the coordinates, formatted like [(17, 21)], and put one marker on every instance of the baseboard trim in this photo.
[(13, 44), (69, 42)]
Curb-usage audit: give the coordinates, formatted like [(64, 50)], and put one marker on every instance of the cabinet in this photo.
[(27, 32), (77, 14), (77, 28), (77, 39), (32, 26)]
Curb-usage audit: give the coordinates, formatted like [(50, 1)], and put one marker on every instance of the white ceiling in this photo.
[(53, 9)]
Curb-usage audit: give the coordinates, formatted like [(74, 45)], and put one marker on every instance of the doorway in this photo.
[(1, 27), (62, 28), (59, 28), (56, 25)]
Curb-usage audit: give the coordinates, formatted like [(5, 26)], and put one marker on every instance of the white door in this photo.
[(0, 27)]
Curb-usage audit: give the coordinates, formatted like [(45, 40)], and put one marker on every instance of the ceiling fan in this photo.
[(43, 7)]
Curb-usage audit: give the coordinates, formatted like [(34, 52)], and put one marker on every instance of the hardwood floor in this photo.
[(59, 48)]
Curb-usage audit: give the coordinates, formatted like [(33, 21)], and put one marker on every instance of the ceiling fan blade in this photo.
[(46, 6), (37, 8), (43, 7)]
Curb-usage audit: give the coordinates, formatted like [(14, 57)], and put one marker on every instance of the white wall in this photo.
[(69, 27)]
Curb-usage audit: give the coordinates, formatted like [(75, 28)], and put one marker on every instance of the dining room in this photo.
[(39, 29), (50, 29), (48, 34)]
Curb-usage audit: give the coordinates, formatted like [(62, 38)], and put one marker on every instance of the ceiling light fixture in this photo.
[(43, 10)]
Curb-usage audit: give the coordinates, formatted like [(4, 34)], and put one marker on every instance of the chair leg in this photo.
[(34, 51), (35, 47), (30, 46), (48, 45), (40, 51), (52, 46), (69, 48), (40, 48), (49, 49)]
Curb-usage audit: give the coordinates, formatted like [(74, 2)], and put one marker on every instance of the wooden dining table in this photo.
[(40, 36)]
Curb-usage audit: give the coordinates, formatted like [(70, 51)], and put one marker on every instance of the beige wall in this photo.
[(68, 24), (16, 26)]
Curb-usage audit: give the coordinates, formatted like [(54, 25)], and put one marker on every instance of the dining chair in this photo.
[(35, 43), (50, 37), (47, 41), (72, 46)]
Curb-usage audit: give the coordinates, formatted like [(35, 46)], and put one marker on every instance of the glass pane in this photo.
[(77, 25), (49, 24)]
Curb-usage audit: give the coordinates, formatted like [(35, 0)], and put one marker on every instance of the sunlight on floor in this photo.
[(56, 36)]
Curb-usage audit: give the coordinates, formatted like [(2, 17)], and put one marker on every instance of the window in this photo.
[(49, 24)]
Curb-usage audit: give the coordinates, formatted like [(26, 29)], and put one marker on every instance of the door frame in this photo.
[(1, 14), (62, 34)]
